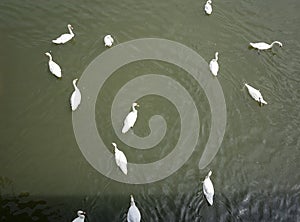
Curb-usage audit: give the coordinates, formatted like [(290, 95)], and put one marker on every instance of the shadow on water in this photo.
[(22, 207), (244, 205)]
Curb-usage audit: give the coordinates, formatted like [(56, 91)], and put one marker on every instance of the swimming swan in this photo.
[(65, 37), (208, 7), (130, 118), (108, 40), (264, 46), (54, 67), (208, 188), (213, 65), (76, 96), (121, 159), (133, 214), (255, 94)]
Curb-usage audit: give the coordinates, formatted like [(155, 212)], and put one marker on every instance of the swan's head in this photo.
[(209, 1), (70, 26), (74, 81), (262, 101), (109, 37), (115, 146), (135, 104), (81, 214), (209, 173), (279, 43), (48, 54)]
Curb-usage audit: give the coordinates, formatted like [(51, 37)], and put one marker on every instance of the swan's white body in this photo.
[(213, 65), (255, 94), (108, 40), (81, 216), (121, 159), (54, 67), (208, 7), (264, 46), (76, 96), (133, 214), (208, 189), (130, 119), (65, 37)]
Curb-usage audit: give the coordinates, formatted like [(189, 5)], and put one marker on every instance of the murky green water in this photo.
[(45, 177)]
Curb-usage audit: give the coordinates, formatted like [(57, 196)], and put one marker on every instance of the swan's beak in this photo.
[(83, 213)]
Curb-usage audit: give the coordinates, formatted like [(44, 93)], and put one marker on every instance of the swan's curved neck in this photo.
[(74, 83), (133, 107), (115, 146), (216, 56), (276, 42), (70, 30), (132, 201), (50, 56)]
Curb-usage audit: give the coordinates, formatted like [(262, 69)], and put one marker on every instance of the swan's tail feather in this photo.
[(125, 128), (56, 41), (210, 200)]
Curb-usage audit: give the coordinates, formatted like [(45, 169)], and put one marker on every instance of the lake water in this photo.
[(44, 175)]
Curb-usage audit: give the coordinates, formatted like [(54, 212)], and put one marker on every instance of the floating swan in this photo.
[(213, 65), (108, 40), (76, 96), (65, 37), (130, 118), (208, 7), (208, 189), (120, 158), (133, 214), (81, 216), (255, 94), (264, 46), (54, 67)]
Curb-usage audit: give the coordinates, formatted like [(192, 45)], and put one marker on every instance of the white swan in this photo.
[(255, 94), (130, 118), (264, 46), (54, 67), (120, 158), (76, 96), (65, 37), (133, 214), (213, 65), (81, 216), (208, 7), (108, 40), (208, 188)]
